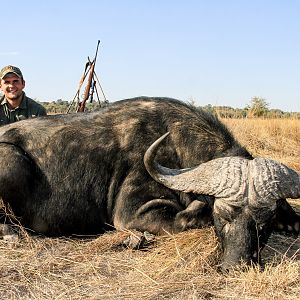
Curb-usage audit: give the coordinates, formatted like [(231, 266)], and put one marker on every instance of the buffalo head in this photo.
[(246, 193)]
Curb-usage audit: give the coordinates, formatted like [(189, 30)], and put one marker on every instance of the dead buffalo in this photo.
[(84, 173)]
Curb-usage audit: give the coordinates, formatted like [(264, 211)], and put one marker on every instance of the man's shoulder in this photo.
[(31, 101), (34, 105)]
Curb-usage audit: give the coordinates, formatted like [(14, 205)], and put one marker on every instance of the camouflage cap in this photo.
[(10, 69)]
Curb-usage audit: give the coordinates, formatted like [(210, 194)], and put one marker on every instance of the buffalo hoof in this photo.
[(11, 238), (7, 233), (139, 240), (197, 215)]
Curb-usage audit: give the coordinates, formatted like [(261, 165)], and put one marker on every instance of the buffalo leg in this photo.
[(198, 214), (159, 216), (15, 180)]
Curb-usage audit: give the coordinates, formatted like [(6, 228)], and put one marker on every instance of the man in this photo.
[(15, 105)]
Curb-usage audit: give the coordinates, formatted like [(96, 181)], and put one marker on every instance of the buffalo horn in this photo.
[(220, 177), (273, 180), (233, 178)]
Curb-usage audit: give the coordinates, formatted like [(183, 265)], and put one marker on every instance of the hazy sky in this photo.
[(215, 52)]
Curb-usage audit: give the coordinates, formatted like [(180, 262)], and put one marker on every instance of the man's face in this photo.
[(12, 86)]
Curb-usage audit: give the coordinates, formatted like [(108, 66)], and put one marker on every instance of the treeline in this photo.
[(239, 113), (61, 107), (257, 108)]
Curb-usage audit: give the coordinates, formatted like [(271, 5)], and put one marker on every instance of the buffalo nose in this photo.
[(227, 267), (223, 270)]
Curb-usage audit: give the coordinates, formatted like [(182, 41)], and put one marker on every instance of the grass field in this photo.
[(181, 266), (278, 139)]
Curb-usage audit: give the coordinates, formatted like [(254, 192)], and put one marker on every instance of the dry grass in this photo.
[(278, 139), (181, 266)]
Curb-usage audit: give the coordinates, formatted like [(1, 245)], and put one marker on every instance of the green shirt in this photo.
[(27, 109)]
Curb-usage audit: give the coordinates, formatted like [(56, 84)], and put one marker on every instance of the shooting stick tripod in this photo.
[(90, 89)]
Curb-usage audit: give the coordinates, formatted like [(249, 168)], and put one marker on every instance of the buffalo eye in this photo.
[(229, 215)]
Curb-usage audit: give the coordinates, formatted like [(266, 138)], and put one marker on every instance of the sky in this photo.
[(210, 52)]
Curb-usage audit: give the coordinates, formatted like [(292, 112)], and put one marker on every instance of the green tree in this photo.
[(258, 107)]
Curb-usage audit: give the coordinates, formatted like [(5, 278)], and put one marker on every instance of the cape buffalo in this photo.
[(84, 173)]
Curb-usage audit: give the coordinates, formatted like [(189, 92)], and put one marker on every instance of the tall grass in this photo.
[(278, 139)]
